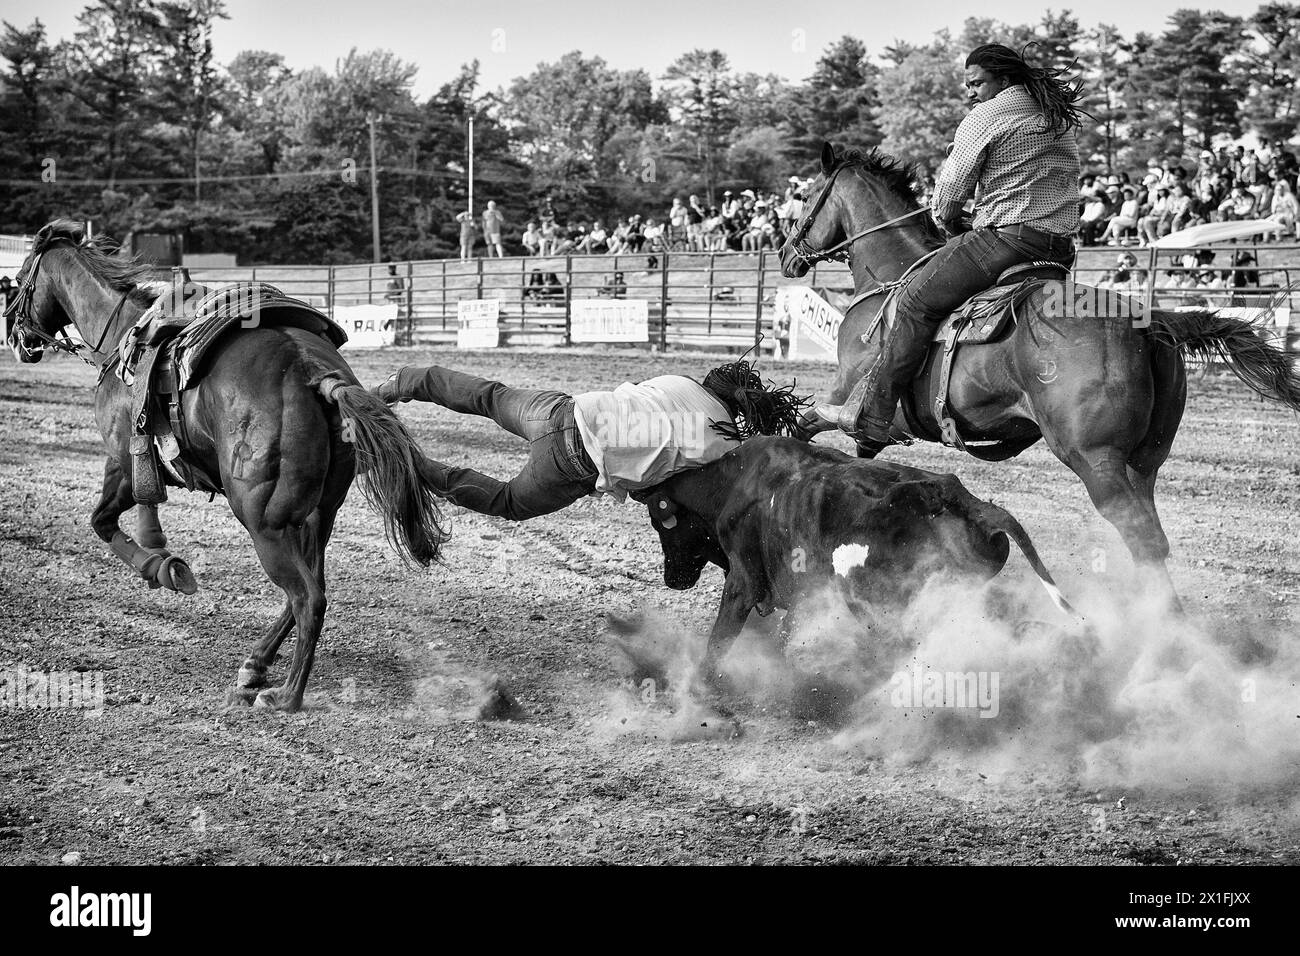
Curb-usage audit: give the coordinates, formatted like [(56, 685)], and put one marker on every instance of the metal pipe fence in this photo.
[(714, 300)]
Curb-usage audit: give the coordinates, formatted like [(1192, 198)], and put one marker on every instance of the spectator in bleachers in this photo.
[(635, 234), (550, 241), (1092, 221), (695, 224), (1240, 204), (618, 238), (676, 222), (531, 239), (1124, 222), (596, 241), (715, 237), (1180, 208), (1158, 220), (1284, 209)]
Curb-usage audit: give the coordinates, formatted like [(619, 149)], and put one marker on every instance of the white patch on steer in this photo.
[(849, 556)]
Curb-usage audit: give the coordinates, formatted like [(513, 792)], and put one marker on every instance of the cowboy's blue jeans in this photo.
[(558, 471), (967, 264)]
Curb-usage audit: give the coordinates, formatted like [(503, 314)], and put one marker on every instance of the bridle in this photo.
[(840, 251), (20, 310)]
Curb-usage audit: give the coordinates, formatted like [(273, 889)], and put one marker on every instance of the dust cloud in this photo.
[(1135, 697)]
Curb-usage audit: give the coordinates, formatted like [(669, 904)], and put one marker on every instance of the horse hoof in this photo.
[(251, 675), (277, 698), (175, 575)]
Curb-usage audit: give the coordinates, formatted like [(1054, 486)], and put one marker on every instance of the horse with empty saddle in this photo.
[(239, 391), (1104, 387)]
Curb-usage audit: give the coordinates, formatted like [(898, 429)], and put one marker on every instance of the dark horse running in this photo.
[(1105, 394), (266, 418)]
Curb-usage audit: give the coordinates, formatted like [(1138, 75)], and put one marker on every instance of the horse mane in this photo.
[(899, 177), (102, 255)]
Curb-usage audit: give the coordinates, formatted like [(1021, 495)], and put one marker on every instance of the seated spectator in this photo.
[(1126, 276), (546, 286), (1240, 204), (1156, 222), (635, 235), (614, 286), (1125, 221), (1181, 211), (531, 239), (759, 231), (1094, 218), (654, 242), (550, 240), (596, 241), (714, 238), (618, 238), (1284, 209)]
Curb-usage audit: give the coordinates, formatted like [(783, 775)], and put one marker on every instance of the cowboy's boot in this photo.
[(868, 413)]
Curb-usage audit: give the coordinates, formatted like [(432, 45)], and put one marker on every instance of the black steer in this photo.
[(781, 518)]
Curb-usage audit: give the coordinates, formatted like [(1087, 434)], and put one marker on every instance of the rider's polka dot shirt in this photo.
[(1015, 173)]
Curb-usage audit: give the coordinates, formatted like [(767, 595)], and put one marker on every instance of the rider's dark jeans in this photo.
[(968, 264), (558, 472)]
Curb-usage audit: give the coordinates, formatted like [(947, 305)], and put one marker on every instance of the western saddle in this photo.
[(165, 352), (983, 318)]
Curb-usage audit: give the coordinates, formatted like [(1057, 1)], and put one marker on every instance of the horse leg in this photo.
[(1105, 474), (1144, 463), (149, 557), (285, 558), (252, 673)]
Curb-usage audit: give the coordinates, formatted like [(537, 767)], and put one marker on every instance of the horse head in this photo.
[(66, 265), (858, 193), (823, 223), (36, 315)]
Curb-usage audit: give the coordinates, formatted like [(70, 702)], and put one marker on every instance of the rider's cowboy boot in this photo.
[(869, 411)]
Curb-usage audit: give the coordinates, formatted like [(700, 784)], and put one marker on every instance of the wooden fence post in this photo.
[(758, 305)]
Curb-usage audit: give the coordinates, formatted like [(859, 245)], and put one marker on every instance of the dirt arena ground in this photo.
[(388, 762)]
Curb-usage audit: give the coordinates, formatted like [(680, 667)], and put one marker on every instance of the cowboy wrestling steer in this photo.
[(781, 518)]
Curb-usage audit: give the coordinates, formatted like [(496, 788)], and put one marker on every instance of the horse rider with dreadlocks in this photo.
[(596, 443), (1017, 156)]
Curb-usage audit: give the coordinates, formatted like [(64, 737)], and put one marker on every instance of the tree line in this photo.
[(133, 123)]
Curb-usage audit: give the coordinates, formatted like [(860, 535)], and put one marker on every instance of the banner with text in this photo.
[(811, 323), (478, 323), (368, 326), (620, 320)]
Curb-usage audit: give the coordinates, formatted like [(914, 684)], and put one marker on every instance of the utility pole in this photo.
[(374, 188), (471, 164)]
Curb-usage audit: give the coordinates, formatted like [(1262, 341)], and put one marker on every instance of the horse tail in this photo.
[(1202, 333), (387, 470)]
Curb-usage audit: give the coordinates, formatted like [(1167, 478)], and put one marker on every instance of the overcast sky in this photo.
[(509, 37)]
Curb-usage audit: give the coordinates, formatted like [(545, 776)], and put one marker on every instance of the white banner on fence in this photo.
[(478, 323), (619, 320), (813, 323), (368, 326)]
